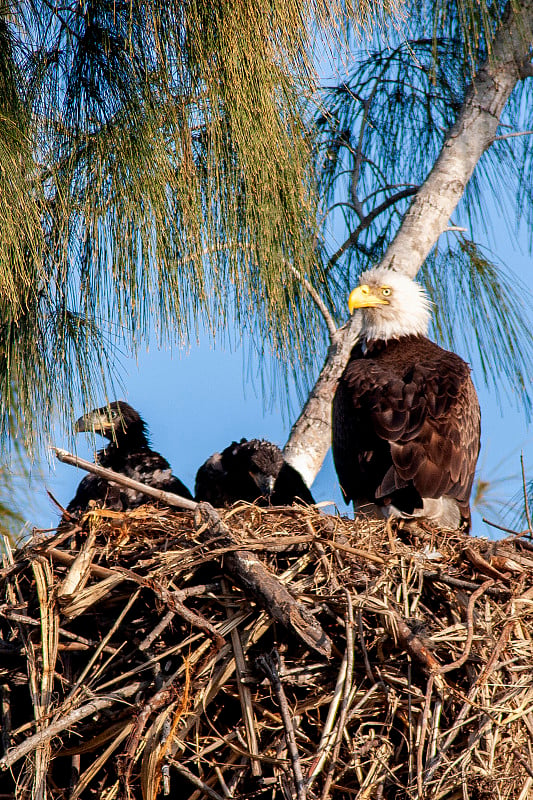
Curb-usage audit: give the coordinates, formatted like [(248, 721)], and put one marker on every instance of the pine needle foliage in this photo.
[(469, 24), (160, 178), (491, 301), (379, 133), (160, 173)]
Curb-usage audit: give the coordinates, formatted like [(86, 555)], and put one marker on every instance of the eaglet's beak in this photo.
[(265, 483), (363, 297), (93, 421)]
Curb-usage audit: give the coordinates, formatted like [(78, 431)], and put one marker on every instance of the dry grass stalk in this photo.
[(135, 664)]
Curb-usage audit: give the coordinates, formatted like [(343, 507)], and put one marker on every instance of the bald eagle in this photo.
[(129, 453), (406, 419), (253, 471)]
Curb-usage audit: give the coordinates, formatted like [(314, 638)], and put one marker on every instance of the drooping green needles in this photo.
[(165, 166)]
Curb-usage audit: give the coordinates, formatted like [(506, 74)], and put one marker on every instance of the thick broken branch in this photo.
[(250, 574)]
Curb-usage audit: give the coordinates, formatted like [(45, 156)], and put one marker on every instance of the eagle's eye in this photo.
[(386, 292), (114, 414)]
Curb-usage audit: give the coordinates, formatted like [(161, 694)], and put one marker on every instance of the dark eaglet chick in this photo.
[(129, 453), (406, 419), (253, 471)]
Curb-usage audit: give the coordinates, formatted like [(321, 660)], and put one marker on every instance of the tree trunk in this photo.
[(427, 217), (311, 433)]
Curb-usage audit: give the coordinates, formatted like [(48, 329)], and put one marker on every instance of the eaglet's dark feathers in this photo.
[(253, 471), (129, 453)]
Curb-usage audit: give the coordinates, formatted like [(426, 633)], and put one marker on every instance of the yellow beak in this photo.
[(362, 297)]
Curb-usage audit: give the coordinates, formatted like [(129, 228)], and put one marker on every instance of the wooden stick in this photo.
[(470, 629), (169, 498), (66, 721), (245, 695), (155, 632), (6, 716), (459, 583), (126, 759), (269, 665), (422, 739), (355, 551), (74, 637), (320, 304), (416, 648), (477, 560), (327, 738), (195, 780), (343, 711), (67, 559)]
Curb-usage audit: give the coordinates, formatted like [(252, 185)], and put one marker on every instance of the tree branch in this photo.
[(169, 498), (322, 307), (67, 721), (511, 135), (472, 134), (368, 220)]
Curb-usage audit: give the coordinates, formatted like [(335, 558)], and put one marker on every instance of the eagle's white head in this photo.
[(392, 305)]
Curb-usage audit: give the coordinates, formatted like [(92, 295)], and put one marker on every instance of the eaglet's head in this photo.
[(262, 461), (115, 421), (392, 305)]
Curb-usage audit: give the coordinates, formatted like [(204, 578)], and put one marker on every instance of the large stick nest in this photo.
[(137, 660)]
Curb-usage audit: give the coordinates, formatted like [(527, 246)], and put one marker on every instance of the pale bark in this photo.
[(67, 721), (169, 498), (427, 217), (310, 435)]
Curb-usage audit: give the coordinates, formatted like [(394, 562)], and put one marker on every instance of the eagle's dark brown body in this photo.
[(406, 426)]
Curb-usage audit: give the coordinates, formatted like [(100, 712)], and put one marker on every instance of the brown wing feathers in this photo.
[(407, 417)]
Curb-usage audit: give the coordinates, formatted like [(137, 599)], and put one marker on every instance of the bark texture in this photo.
[(311, 433), (427, 217)]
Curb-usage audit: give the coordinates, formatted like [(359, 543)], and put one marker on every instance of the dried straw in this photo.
[(140, 659)]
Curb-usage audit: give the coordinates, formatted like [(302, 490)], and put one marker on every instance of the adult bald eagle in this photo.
[(406, 419), (253, 471), (129, 453)]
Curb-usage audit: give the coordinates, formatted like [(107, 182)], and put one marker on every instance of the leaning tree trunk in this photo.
[(428, 215)]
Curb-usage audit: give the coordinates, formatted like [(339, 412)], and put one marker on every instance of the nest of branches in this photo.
[(265, 653)]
